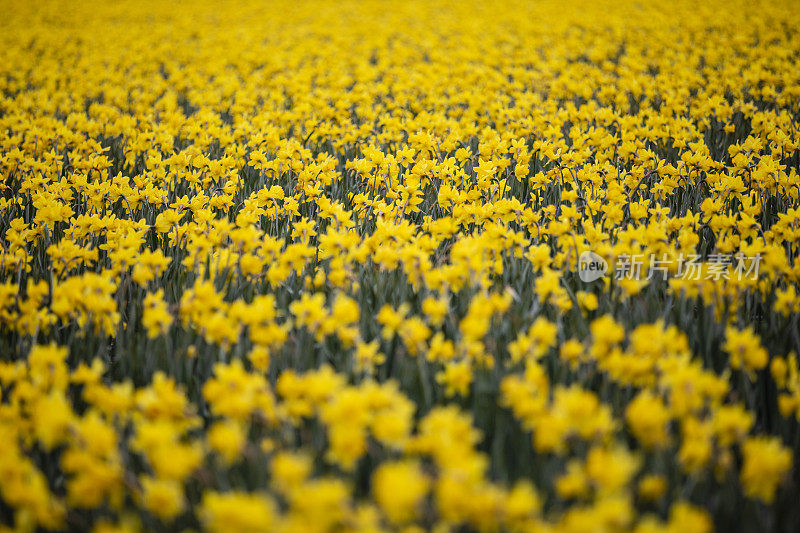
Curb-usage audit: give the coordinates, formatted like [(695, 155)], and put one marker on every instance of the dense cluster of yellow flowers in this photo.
[(361, 266)]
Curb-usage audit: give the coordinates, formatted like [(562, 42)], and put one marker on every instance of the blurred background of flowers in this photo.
[(313, 266)]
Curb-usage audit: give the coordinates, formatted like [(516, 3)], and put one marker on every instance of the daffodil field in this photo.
[(427, 266)]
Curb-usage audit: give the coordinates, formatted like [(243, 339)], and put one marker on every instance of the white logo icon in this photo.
[(591, 266)]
